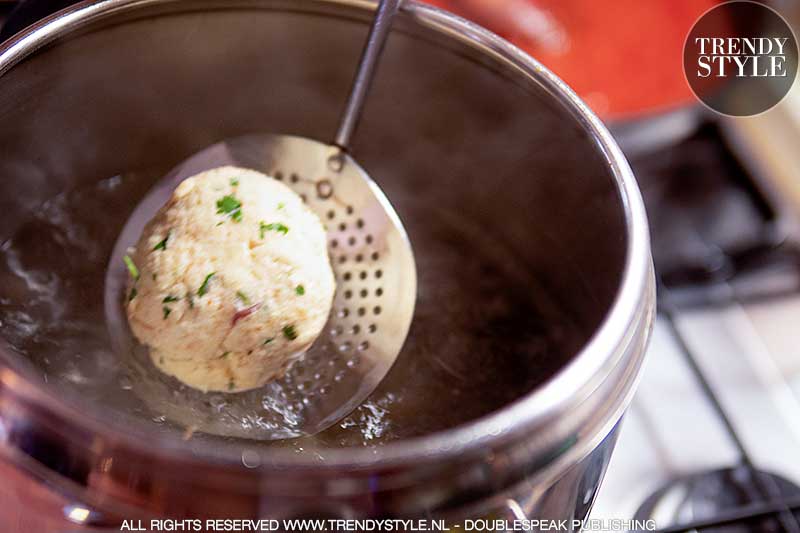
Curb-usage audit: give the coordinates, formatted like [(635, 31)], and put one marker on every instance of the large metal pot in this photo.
[(514, 195)]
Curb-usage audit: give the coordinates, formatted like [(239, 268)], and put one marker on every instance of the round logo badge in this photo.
[(740, 58)]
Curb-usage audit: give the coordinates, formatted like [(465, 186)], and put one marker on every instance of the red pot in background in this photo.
[(623, 57)]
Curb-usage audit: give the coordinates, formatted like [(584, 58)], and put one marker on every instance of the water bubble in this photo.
[(125, 383), (251, 459)]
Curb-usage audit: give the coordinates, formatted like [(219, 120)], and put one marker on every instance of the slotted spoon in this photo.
[(371, 258)]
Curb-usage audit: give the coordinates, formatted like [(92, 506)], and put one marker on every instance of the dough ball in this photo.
[(234, 281)]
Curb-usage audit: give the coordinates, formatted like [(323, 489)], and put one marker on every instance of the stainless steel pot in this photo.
[(515, 197)]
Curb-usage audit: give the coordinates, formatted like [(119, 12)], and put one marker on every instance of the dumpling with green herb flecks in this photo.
[(230, 281)]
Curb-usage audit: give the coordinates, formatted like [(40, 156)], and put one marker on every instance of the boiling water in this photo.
[(483, 334)]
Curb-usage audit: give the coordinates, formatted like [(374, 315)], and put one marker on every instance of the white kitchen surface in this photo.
[(751, 358)]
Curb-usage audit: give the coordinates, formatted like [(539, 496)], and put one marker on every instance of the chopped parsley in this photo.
[(163, 244), (300, 290), (204, 287), (229, 205), (224, 355), (170, 299), (243, 297), (131, 267), (274, 226), (289, 332), (269, 340), (167, 311), (133, 294), (231, 385), (234, 182)]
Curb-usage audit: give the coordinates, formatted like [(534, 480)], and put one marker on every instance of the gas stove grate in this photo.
[(716, 239), (774, 504)]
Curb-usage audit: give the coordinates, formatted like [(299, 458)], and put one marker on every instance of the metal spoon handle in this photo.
[(366, 69)]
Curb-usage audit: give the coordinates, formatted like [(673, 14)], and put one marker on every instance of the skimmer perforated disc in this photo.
[(372, 309)]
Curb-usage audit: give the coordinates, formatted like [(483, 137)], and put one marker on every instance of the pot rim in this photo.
[(583, 373)]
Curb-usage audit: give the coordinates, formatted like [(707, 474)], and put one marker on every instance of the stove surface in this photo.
[(713, 434)]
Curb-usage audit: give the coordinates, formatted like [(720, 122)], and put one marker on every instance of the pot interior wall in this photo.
[(514, 216)]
